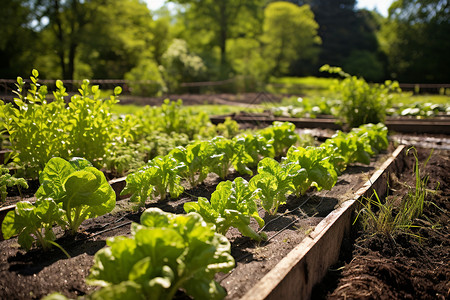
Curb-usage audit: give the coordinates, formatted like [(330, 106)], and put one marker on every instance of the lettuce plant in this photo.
[(273, 182), (377, 135), (281, 135), (229, 128), (33, 223), (165, 253), (159, 176), (79, 189), (232, 205), (351, 147), (7, 180), (316, 170), (330, 151), (256, 146), (193, 162), (225, 153)]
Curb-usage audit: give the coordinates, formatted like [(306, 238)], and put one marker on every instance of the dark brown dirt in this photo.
[(35, 274), (409, 265)]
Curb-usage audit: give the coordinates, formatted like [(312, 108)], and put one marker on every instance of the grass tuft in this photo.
[(388, 217)]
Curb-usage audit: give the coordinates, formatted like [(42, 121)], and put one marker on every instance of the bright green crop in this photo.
[(165, 253), (159, 176), (193, 162), (280, 135), (232, 205), (316, 170), (70, 192), (7, 180), (225, 153), (273, 182)]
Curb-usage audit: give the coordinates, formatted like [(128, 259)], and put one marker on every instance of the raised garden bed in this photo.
[(35, 274), (436, 125)]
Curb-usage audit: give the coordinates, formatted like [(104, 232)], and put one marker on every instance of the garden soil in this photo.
[(411, 265)]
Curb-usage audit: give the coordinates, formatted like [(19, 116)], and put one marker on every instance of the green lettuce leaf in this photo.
[(232, 205), (165, 253)]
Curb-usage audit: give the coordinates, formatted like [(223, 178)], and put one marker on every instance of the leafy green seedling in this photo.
[(316, 170), (79, 189), (257, 147), (281, 135), (225, 153), (273, 182), (7, 180), (165, 253), (159, 176), (33, 223), (232, 205), (377, 135), (351, 147), (193, 162)]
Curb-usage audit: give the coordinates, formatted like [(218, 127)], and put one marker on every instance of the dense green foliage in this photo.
[(289, 33), (166, 252), (70, 192), (415, 39), (198, 40), (9, 181), (40, 129), (361, 103), (232, 204)]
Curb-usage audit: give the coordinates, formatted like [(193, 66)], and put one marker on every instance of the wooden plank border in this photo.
[(296, 274)]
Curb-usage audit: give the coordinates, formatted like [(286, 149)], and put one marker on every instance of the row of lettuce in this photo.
[(168, 252)]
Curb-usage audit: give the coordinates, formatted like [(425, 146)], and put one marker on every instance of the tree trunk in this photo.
[(223, 35)]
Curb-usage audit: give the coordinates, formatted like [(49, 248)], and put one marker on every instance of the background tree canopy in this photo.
[(220, 39)]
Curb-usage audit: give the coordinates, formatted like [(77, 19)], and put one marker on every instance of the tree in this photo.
[(89, 38), (181, 65), (343, 29), (66, 19), (117, 38), (245, 56), (223, 18), (290, 33), (365, 64), (416, 40)]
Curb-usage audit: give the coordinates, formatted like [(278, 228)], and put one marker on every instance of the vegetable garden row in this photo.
[(166, 252)]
